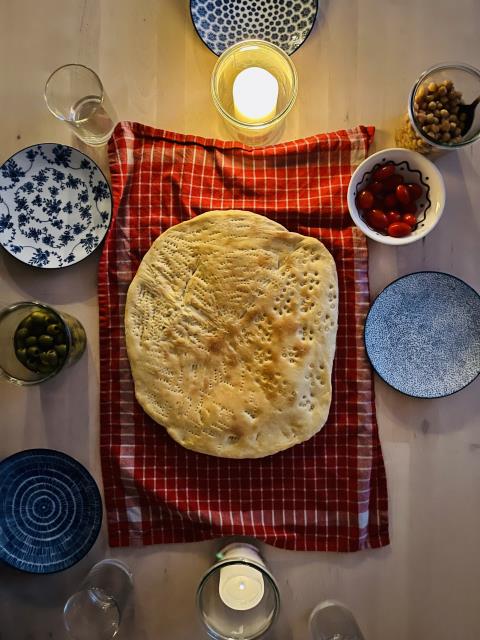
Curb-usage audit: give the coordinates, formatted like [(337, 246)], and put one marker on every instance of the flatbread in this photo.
[(230, 325)]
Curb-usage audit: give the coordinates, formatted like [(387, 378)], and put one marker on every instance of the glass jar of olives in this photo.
[(441, 114), (37, 342)]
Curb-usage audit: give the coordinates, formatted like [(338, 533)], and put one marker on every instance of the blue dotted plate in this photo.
[(50, 511), (55, 205), (222, 23), (422, 334)]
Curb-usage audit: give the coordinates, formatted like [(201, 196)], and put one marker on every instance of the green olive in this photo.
[(61, 350), (60, 338), (54, 329), (32, 364), (21, 355), (52, 358), (26, 323), (45, 341), (21, 333), (33, 352), (31, 341), (38, 317), (44, 368)]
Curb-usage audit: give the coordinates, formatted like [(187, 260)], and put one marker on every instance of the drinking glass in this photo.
[(75, 94), (331, 620), (95, 611)]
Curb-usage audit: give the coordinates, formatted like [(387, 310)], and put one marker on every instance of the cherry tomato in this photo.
[(390, 201), (410, 219), (384, 172), (415, 191), (376, 188), (402, 194), (392, 183), (377, 219), (365, 200), (393, 216), (399, 229), (411, 207)]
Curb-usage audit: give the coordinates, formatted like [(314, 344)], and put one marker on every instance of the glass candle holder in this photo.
[(254, 86), (37, 342), (238, 597)]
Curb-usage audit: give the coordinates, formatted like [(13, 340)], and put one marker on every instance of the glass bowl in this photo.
[(243, 621), (266, 59), (64, 334), (466, 80)]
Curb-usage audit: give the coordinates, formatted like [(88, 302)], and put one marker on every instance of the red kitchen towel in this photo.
[(327, 494)]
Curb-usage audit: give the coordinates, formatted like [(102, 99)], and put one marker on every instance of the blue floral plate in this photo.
[(50, 511), (55, 205), (222, 23), (422, 334)]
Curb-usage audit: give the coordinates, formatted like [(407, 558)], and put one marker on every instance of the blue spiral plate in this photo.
[(50, 511)]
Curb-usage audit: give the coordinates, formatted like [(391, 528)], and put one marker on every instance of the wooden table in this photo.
[(356, 67)]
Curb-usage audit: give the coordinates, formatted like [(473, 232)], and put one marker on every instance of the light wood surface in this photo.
[(356, 67)]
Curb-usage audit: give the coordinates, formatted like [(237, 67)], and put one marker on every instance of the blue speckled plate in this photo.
[(422, 334), (50, 511), (55, 205), (222, 23)]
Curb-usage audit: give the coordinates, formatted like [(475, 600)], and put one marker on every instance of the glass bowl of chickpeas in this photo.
[(438, 116), (37, 342)]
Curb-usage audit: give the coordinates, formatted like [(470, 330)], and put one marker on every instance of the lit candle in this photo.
[(241, 587), (255, 94)]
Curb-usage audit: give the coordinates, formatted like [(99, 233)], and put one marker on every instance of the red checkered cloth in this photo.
[(327, 494)]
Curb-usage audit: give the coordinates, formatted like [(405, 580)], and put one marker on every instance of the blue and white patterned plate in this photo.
[(222, 23), (50, 511), (55, 205), (422, 334)]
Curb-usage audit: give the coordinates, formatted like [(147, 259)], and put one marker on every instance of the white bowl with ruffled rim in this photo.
[(415, 168)]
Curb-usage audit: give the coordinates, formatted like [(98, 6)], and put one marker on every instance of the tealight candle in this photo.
[(241, 587), (255, 95)]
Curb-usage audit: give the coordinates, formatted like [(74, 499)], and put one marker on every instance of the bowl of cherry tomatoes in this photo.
[(396, 196)]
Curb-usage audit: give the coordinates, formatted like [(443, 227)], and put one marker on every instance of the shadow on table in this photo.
[(76, 283), (58, 417)]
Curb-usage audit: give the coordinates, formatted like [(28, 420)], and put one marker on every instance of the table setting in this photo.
[(240, 326)]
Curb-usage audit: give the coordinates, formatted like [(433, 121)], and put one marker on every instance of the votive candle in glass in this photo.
[(254, 86)]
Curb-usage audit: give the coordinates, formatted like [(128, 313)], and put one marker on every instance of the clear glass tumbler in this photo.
[(74, 94), (37, 342), (95, 611), (331, 620)]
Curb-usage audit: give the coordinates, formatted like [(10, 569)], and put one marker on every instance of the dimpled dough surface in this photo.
[(231, 323)]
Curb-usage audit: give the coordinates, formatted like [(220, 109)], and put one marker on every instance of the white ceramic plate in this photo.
[(55, 205)]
